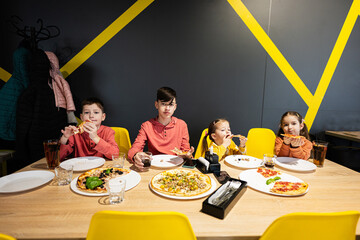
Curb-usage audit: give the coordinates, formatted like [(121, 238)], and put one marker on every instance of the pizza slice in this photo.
[(265, 172), (80, 127), (291, 136), (239, 136), (289, 188), (178, 151)]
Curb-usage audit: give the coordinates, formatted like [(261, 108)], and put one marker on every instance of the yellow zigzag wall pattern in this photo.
[(313, 101)]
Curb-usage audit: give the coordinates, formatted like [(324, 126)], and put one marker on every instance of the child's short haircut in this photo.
[(165, 94), (92, 100)]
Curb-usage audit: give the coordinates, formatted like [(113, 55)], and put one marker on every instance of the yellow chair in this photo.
[(200, 149), (313, 226), (111, 225), (6, 237), (260, 141), (122, 139)]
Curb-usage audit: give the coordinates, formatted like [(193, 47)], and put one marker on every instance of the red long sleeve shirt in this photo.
[(82, 145), (161, 139)]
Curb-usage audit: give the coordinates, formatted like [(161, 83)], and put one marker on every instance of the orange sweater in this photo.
[(283, 150)]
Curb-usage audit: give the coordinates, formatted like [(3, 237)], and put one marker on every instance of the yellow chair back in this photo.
[(313, 226), (122, 139), (200, 149), (260, 141), (6, 237), (111, 225)]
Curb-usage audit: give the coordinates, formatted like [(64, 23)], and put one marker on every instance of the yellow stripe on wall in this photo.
[(333, 62), (313, 102), (104, 36), (4, 75)]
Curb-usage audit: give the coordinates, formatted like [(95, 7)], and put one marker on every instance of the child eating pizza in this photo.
[(293, 137), (90, 138), (164, 133), (219, 137)]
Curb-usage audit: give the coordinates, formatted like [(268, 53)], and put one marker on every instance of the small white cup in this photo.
[(116, 190), (64, 174), (118, 160)]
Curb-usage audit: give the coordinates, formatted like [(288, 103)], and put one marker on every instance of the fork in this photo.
[(233, 186)]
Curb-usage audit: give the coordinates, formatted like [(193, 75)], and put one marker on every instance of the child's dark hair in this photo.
[(92, 100), (211, 130), (165, 94), (303, 132)]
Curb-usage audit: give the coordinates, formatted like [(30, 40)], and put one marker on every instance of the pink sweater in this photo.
[(283, 150), (161, 139), (82, 145)]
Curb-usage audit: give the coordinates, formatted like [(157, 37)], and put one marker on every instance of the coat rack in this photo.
[(33, 34)]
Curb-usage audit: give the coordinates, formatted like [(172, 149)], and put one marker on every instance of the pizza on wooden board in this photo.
[(181, 182), (289, 188), (94, 180)]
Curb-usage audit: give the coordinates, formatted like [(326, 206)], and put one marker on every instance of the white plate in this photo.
[(22, 181), (211, 190), (295, 164), (166, 161), (256, 181), (132, 179), (84, 163), (243, 161)]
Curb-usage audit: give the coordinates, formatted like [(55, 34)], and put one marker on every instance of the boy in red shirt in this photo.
[(162, 133), (96, 140)]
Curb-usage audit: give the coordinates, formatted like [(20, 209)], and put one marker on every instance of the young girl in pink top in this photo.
[(292, 123), (96, 140), (163, 133)]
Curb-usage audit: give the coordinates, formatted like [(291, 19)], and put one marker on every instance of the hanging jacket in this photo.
[(38, 118), (11, 91)]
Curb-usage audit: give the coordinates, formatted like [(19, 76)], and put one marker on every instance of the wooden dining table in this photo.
[(56, 212), (348, 135)]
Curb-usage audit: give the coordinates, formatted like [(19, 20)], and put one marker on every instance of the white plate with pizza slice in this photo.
[(257, 181), (166, 161), (211, 190), (295, 164), (84, 163), (132, 180), (243, 161)]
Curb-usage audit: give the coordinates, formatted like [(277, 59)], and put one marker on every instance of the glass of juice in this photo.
[(319, 151), (52, 152)]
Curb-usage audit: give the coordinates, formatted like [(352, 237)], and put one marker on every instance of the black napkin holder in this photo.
[(222, 210), (213, 160)]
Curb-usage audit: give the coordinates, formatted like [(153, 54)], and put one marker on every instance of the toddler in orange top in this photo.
[(285, 146), (219, 137)]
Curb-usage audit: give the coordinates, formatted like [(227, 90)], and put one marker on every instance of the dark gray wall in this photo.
[(203, 50)]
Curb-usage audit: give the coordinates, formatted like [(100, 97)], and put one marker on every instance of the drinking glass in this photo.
[(319, 151), (146, 160), (52, 152), (269, 160), (116, 190), (118, 160), (64, 174)]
